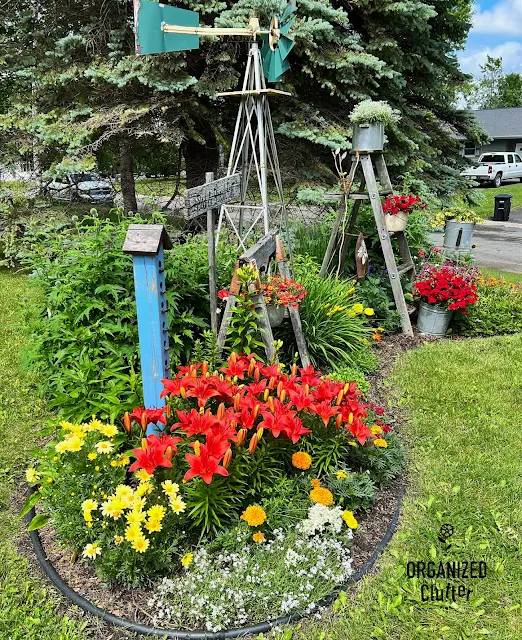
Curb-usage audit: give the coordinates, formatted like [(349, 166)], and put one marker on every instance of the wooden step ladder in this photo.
[(365, 161)]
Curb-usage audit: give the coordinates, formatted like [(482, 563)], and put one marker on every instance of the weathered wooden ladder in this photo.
[(365, 161), (270, 246)]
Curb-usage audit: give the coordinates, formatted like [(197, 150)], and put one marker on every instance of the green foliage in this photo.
[(375, 292), (383, 465), (495, 89), (211, 506), (310, 240), (244, 334), (349, 374), (336, 336), (370, 111), (498, 310), (285, 503), (86, 338), (328, 448), (357, 491)]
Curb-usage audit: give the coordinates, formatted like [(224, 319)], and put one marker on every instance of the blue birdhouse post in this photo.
[(145, 242)]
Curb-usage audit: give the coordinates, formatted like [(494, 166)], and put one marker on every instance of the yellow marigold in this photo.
[(322, 496), (369, 311), (254, 516), (380, 442), (350, 520), (187, 559), (315, 483), (341, 475), (376, 430), (140, 544), (358, 307), (301, 460), (258, 537)]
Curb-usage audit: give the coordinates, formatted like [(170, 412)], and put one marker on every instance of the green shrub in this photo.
[(356, 491), (350, 374), (86, 339), (497, 311)]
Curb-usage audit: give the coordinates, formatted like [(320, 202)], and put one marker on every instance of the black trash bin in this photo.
[(502, 206)]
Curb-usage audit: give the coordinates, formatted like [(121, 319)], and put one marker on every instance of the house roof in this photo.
[(501, 123)]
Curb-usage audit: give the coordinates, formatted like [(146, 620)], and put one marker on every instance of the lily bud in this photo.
[(339, 397), (144, 422), (220, 414), (168, 453), (271, 383), (194, 372), (346, 387), (350, 418), (241, 437), (271, 404), (257, 375), (237, 401), (253, 444), (233, 357), (168, 411), (279, 388), (260, 432), (294, 369), (227, 458), (255, 412), (282, 396), (266, 394), (339, 421), (204, 368), (307, 389), (182, 392), (127, 422), (144, 444), (251, 367), (197, 447)]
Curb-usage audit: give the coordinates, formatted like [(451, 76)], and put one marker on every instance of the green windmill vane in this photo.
[(162, 28)]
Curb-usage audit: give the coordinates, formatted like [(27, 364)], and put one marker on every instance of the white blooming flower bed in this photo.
[(291, 571)]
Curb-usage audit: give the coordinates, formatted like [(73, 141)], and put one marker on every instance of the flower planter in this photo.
[(276, 314), (433, 320), (368, 137), (396, 222), (458, 235)]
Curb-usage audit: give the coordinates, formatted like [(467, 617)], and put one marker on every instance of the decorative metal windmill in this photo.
[(161, 28)]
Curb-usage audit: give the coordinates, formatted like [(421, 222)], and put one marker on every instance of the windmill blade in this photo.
[(285, 45), (288, 10), (150, 38), (285, 28)]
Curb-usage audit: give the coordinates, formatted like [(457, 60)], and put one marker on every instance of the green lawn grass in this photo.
[(486, 207), (506, 275), (26, 611), (465, 405)]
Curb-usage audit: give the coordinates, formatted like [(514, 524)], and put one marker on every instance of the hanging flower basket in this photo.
[(397, 209), (396, 222)]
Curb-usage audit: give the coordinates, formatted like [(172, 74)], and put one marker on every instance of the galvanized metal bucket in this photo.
[(276, 314), (368, 137), (458, 235), (433, 320)]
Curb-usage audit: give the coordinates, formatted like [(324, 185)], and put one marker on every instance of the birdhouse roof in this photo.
[(146, 239)]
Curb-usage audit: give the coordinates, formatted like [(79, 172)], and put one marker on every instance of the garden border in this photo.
[(262, 627)]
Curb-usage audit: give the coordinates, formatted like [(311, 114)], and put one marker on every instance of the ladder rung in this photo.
[(360, 195), (404, 268)]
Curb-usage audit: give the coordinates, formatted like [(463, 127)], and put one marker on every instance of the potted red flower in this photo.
[(442, 290), (280, 293), (397, 208)]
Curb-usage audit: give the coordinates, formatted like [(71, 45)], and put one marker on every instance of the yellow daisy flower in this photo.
[(135, 517), (153, 525), (177, 505), (92, 456), (142, 475), (157, 512), (104, 447), (187, 559), (89, 505), (170, 488), (341, 475), (140, 545), (109, 430), (118, 540), (31, 475), (133, 532), (92, 551)]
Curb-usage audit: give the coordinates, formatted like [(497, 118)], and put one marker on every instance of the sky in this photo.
[(497, 31)]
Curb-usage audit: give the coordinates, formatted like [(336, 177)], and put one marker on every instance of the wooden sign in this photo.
[(212, 195)]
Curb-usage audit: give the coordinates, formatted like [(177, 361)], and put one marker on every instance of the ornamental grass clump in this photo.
[(252, 445)]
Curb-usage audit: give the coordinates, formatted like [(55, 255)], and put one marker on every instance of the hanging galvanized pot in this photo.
[(396, 222), (368, 137), (458, 235), (276, 314)]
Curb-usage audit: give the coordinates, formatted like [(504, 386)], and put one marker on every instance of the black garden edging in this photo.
[(144, 629)]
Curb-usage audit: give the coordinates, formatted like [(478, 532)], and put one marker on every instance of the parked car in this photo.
[(495, 167), (82, 187)]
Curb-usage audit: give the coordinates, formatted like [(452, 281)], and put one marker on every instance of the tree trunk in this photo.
[(200, 159), (128, 188)]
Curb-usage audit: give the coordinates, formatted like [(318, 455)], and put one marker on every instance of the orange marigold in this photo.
[(258, 537), (302, 460), (322, 496), (315, 483), (254, 516)]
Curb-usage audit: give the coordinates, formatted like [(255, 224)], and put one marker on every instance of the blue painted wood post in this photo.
[(145, 242)]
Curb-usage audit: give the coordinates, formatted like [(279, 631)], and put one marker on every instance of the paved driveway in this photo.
[(498, 245)]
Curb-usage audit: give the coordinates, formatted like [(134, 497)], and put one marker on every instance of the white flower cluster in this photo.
[(320, 517), (290, 572)]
